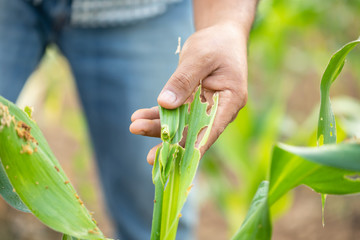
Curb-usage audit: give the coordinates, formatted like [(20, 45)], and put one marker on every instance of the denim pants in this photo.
[(117, 71)]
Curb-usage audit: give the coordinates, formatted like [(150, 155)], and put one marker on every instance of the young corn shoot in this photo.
[(174, 166), (329, 169)]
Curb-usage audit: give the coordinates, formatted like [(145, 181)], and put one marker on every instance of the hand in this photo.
[(217, 55)]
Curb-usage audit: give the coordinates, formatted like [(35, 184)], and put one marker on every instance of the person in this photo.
[(121, 53)]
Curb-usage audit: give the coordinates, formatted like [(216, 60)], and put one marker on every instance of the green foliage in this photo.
[(330, 169), (257, 223), (67, 237), (326, 124), (38, 183), (289, 43), (175, 167)]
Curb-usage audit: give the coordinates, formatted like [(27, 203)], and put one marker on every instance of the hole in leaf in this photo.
[(183, 139), (206, 96), (354, 177), (200, 136)]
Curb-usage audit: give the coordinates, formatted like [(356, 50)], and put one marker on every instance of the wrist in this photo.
[(234, 27), (209, 13)]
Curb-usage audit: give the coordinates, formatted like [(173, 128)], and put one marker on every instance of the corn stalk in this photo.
[(174, 166)]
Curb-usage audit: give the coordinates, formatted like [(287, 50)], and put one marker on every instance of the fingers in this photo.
[(146, 113), (151, 155), (195, 64), (226, 113), (146, 127)]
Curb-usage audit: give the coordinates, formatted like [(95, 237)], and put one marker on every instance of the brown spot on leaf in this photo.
[(23, 125), (23, 131), (26, 149)]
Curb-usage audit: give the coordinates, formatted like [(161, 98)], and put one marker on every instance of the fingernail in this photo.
[(167, 96)]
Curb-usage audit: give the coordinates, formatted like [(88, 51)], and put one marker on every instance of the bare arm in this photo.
[(212, 12)]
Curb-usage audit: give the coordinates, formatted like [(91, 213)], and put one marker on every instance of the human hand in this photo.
[(216, 56)]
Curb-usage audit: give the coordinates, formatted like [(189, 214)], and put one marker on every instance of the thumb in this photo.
[(182, 83)]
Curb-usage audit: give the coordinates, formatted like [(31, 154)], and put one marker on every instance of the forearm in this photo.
[(212, 12)]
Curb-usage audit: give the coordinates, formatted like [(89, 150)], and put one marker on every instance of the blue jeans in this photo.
[(117, 70)]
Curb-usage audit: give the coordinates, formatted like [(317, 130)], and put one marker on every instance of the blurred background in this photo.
[(290, 45)]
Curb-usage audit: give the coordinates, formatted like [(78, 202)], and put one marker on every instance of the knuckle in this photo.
[(207, 59), (205, 56), (182, 80), (240, 92), (243, 98)]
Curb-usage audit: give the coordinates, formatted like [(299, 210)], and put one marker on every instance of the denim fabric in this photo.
[(117, 71)]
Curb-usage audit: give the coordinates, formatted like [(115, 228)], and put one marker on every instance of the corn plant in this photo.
[(279, 70), (328, 169), (32, 180), (174, 166)]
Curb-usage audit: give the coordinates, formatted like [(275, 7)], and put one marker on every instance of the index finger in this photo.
[(146, 113)]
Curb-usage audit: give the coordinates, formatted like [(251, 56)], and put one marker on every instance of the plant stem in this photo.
[(156, 222)]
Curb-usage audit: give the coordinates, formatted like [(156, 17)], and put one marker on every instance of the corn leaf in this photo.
[(37, 177), (293, 166), (67, 237), (257, 224), (175, 167), (326, 123), (329, 169), (7, 192), (315, 168)]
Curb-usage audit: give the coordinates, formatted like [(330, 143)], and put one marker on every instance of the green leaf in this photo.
[(67, 237), (329, 169), (344, 155), (198, 120), (7, 192), (158, 201), (37, 177), (324, 169), (175, 167), (292, 166), (326, 133), (169, 123), (257, 225), (326, 123)]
